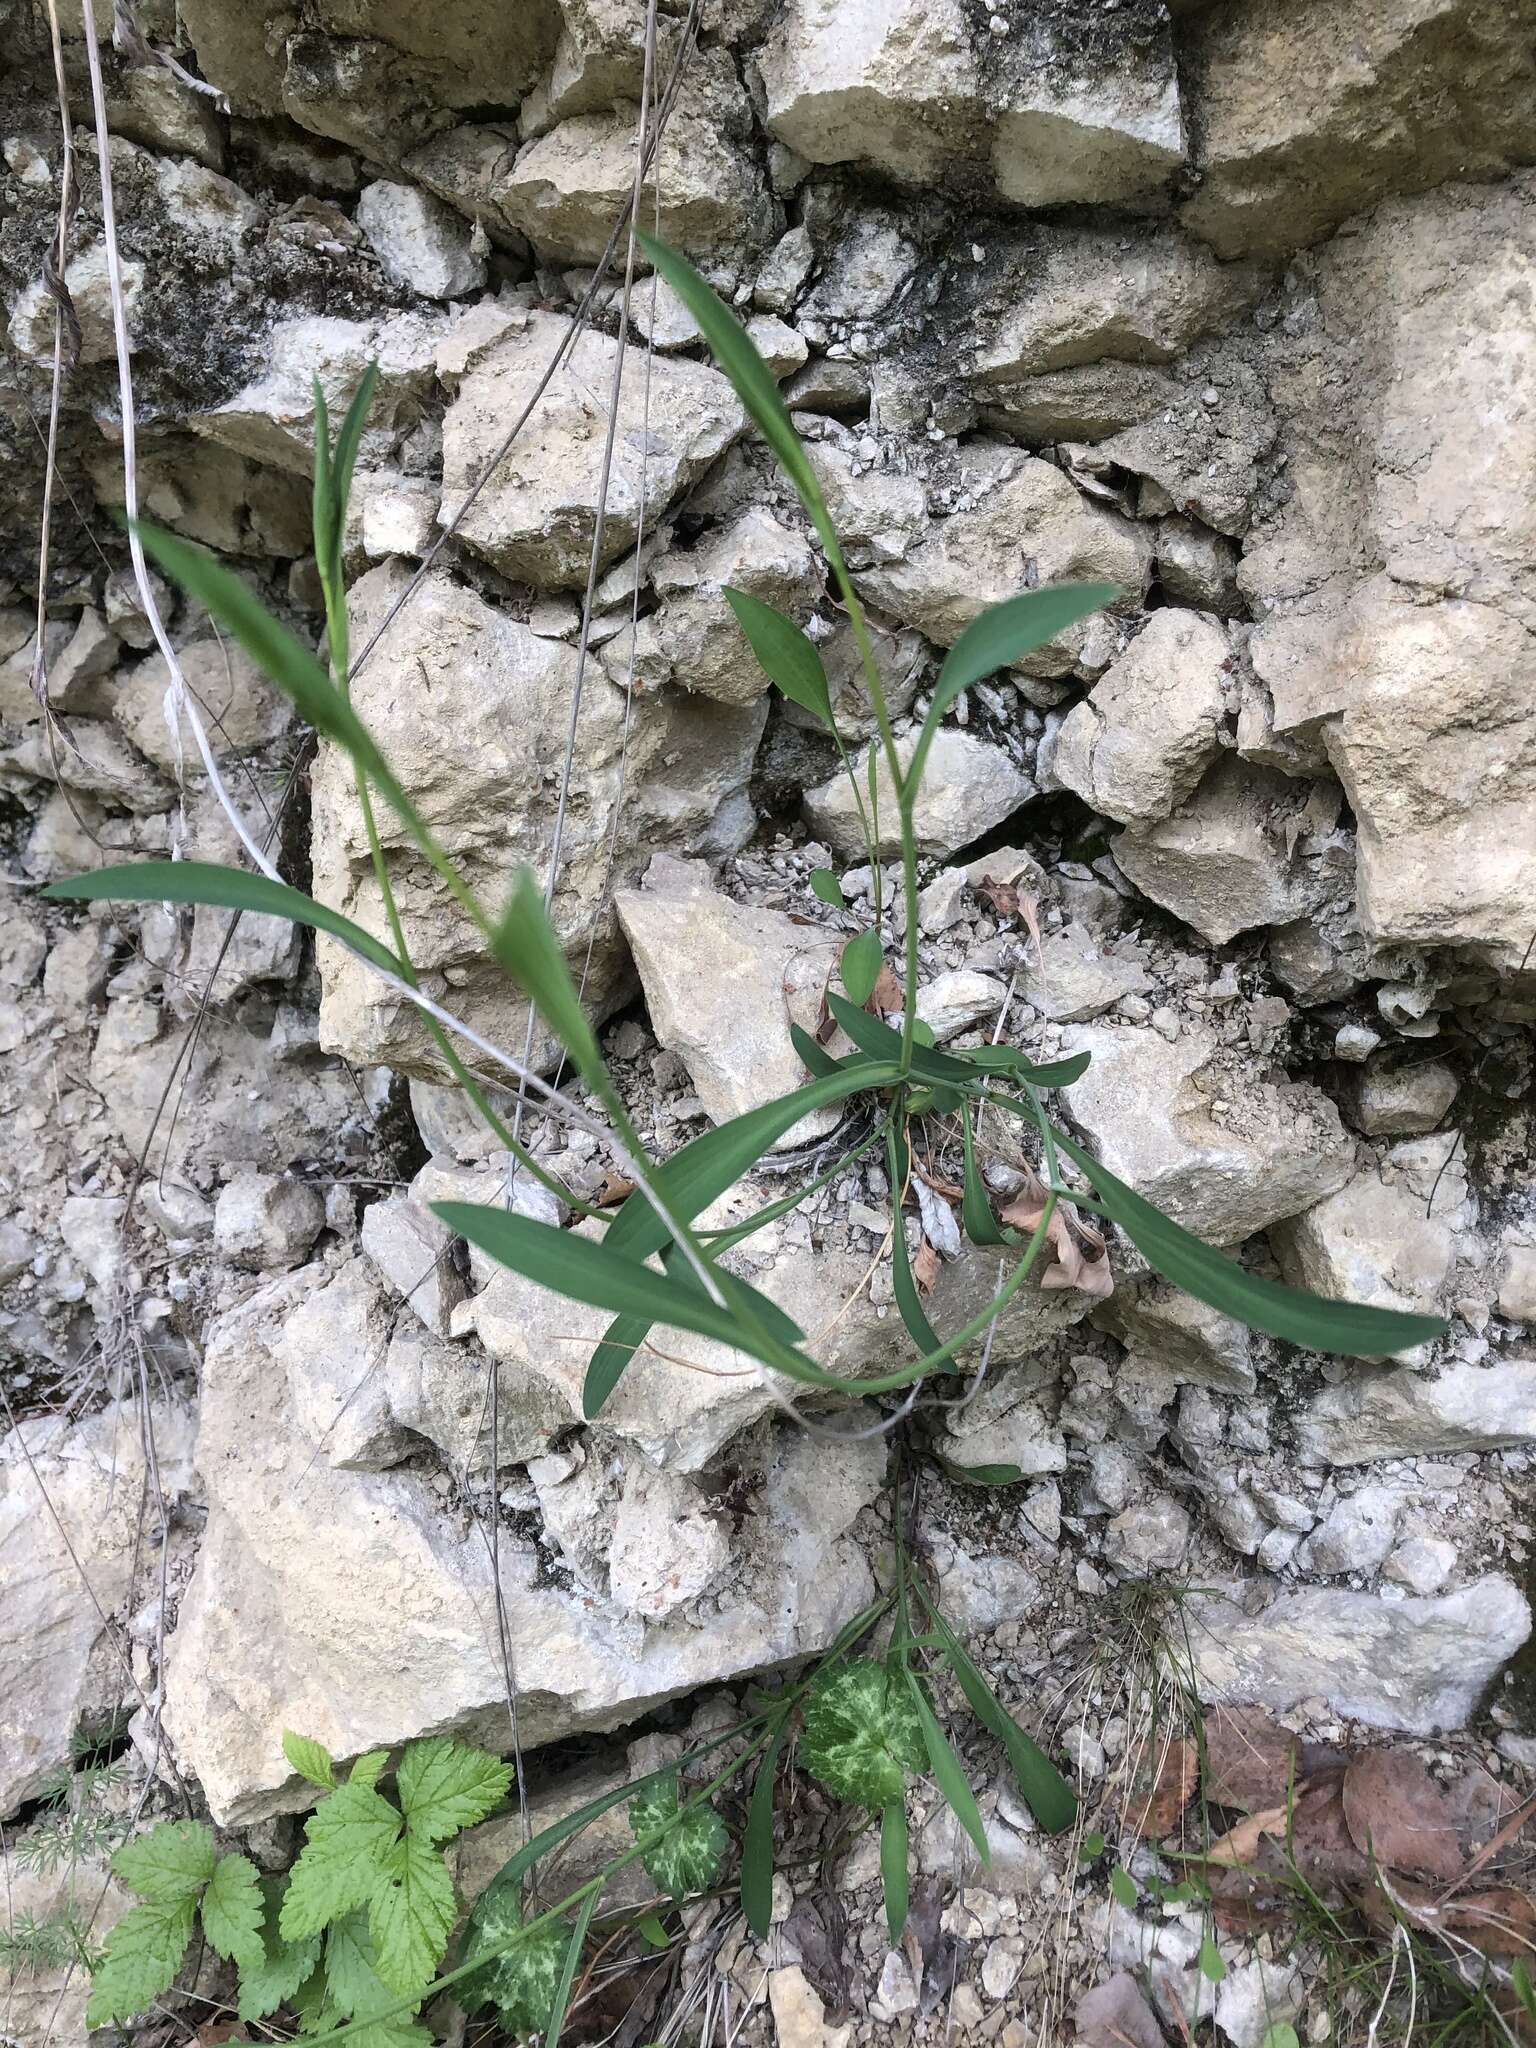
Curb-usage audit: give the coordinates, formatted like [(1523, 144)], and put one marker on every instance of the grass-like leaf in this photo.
[(948, 1776), (860, 965), (784, 654), (554, 2024), (1046, 1792), (909, 1305), (893, 1864), (1351, 1328), (757, 1841), (755, 385), (981, 1226), (525, 944), (201, 881), (1006, 632)]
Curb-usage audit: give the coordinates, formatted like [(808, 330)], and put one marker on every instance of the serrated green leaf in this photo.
[(1046, 1792), (689, 1855), (860, 965), (754, 382), (1122, 1887), (862, 1734), (828, 889), (352, 1981), (346, 1840), (411, 1913), (784, 654), (1350, 1328), (523, 1981), (947, 1773), (231, 1911), (311, 1759), (757, 1842), (200, 881), (173, 1861), (893, 1864), (1212, 1968), (369, 1768), (140, 1959), (284, 1965), (444, 1786)]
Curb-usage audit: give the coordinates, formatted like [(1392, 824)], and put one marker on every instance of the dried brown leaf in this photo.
[(1163, 1778), (1250, 1760), (925, 1267), (1397, 1813), (612, 1189), (888, 994), (1114, 2014), (1001, 898)]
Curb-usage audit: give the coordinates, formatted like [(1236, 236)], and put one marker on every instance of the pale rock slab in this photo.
[(1079, 297), (537, 516), (419, 242), (1221, 861), (1299, 129), (1197, 566), (723, 981), (1203, 1132), (1069, 977), (1402, 1102), (353, 1604), (1139, 742), (1102, 134), (70, 1496), (1029, 525), (267, 1221), (1408, 1414), (85, 278), (1370, 1241), (1084, 403), (1416, 1665), (969, 786), (273, 419), (1355, 1535), (568, 186), (238, 705), (484, 769), (954, 1001), (1170, 1329)]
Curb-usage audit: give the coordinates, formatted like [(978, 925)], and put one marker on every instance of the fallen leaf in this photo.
[(888, 993), (1318, 1838), (1250, 1760), (1115, 2015), (1499, 1922), (1079, 1256), (1399, 1815), (1162, 1782), (925, 1267), (613, 1188), (1001, 898)]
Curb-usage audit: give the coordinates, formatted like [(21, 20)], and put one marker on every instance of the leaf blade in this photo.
[(784, 653), (893, 1865), (231, 1910), (860, 964), (757, 1841), (948, 1775)]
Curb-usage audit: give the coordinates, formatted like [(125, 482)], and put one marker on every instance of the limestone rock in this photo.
[(1151, 1536), (975, 558), (969, 787), (955, 1001), (1204, 453), (272, 420), (1416, 1665), (70, 1498), (1171, 1330), (1355, 1535), (1402, 1102), (1100, 131), (485, 770), (723, 981), (1213, 1140), (409, 1247), (1138, 744), (1389, 634), (418, 241), (1221, 862), (1097, 293), (267, 1221), (695, 634), (1085, 403), (353, 1604), (1011, 1422), (90, 292), (1298, 130), (1408, 1414), (1517, 1284), (238, 705), (1197, 566), (537, 516), (567, 187), (1370, 1241), (1069, 977)]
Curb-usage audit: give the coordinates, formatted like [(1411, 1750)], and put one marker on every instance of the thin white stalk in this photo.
[(178, 699)]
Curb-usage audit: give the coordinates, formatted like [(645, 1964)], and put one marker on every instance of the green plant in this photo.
[(653, 1264), (31, 1946)]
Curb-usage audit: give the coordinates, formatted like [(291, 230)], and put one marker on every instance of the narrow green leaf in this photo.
[(1212, 1968), (554, 2025), (1281, 2034), (1008, 1060), (1046, 1792), (323, 506), (981, 1226), (860, 965), (526, 946), (1314, 1320), (893, 1865), (1520, 1978), (1006, 632), (312, 1760), (814, 1056), (757, 1842), (981, 1475), (785, 656), (1122, 1888), (606, 1367), (948, 1775), (909, 1303), (199, 881), (754, 382), (826, 886), (350, 436), (284, 657), (651, 1931)]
